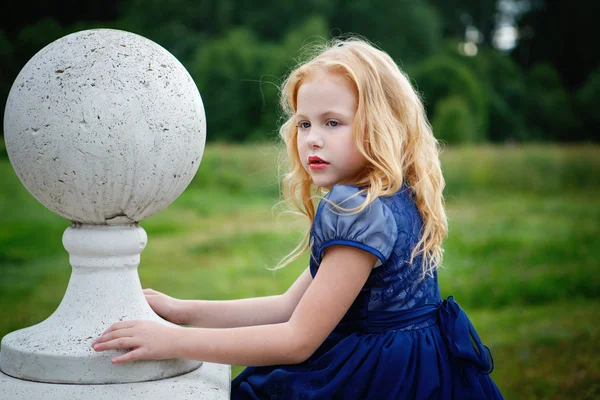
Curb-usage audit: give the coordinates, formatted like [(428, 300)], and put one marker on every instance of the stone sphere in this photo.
[(104, 127)]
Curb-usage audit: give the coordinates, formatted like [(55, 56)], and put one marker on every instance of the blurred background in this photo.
[(512, 89)]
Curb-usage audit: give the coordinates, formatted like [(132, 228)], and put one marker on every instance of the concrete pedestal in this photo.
[(105, 128), (209, 382)]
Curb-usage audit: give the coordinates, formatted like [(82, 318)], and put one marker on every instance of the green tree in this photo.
[(178, 25), (184, 25), (238, 77), (7, 63), (226, 71), (457, 15), (409, 31), (34, 37), (442, 76), (506, 90), (548, 110), (271, 20), (504, 87), (453, 122), (557, 33), (587, 100)]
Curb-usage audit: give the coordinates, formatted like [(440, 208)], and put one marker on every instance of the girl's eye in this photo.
[(333, 123), (304, 125)]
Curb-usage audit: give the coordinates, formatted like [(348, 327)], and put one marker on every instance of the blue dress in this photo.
[(398, 340)]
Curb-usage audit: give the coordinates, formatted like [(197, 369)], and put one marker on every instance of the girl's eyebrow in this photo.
[(322, 115)]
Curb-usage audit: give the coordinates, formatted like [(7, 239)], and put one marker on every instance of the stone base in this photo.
[(210, 382)]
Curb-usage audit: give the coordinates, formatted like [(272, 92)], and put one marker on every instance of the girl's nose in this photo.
[(314, 140)]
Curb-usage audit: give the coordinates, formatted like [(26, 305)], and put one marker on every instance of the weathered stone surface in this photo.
[(104, 288), (209, 382), (104, 127)]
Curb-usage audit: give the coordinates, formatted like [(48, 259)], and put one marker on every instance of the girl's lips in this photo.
[(317, 163), (318, 166), (316, 159)]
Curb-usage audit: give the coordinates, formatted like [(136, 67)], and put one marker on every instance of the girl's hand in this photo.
[(146, 340), (166, 306)]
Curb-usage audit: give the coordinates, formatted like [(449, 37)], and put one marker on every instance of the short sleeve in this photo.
[(372, 229)]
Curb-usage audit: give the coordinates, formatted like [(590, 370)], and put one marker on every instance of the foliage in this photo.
[(6, 65), (549, 113), (282, 17), (238, 52), (505, 88), (563, 36), (226, 73), (441, 76), (29, 37), (461, 14), (239, 77), (453, 123), (416, 32), (587, 101)]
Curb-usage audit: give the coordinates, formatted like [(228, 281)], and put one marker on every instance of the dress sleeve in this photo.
[(372, 229)]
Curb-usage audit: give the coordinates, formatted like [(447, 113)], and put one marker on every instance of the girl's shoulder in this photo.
[(399, 209), (341, 221), (349, 196), (346, 200), (342, 207)]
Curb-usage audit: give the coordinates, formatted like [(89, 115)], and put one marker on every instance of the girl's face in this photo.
[(326, 106)]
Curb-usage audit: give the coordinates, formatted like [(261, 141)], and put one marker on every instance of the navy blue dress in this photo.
[(398, 340)]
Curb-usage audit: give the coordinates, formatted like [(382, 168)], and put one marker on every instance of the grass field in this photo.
[(521, 256)]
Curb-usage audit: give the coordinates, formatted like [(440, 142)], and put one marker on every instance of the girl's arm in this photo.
[(342, 273), (244, 312)]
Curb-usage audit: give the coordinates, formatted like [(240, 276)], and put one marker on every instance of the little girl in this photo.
[(365, 320)]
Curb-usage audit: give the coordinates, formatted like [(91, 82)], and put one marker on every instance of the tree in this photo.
[(238, 77), (457, 15), (587, 101), (453, 122), (549, 114), (440, 77), (562, 35), (503, 84), (409, 30)]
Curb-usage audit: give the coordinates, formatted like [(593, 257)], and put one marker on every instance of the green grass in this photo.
[(523, 249), (521, 256)]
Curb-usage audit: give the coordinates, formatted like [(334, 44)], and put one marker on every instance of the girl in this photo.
[(365, 320)]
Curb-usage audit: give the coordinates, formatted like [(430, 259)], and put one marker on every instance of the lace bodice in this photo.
[(389, 228)]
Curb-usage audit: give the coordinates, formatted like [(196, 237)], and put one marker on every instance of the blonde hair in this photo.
[(390, 130)]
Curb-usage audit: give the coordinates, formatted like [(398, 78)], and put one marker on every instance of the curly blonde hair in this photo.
[(392, 132)]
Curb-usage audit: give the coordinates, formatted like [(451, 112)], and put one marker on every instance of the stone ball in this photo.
[(104, 127)]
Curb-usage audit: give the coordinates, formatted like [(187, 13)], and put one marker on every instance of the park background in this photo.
[(512, 89)]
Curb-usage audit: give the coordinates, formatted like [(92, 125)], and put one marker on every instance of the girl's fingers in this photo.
[(132, 355), (121, 325), (150, 291), (114, 335), (115, 344), (115, 328)]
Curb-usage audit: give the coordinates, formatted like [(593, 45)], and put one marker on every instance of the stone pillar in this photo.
[(105, 128)]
